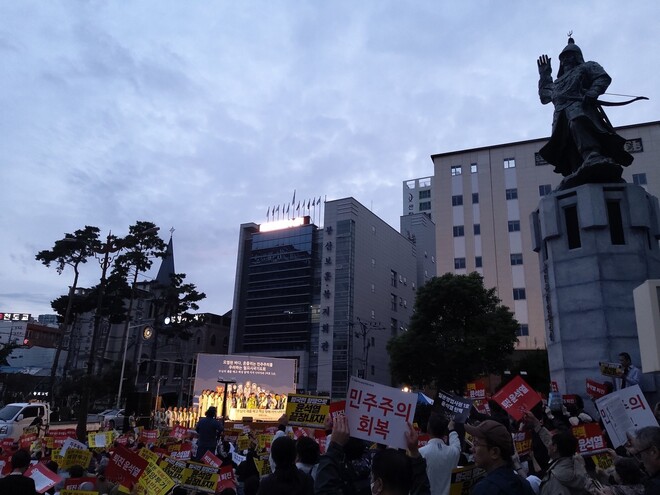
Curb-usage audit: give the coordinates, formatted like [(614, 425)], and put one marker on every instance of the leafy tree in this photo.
[(73, 250), (459, 330), (5, 351)]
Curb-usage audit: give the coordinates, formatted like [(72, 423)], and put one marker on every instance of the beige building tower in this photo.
[(481, 200)]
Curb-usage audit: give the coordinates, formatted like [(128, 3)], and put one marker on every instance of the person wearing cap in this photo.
[(492, 447)]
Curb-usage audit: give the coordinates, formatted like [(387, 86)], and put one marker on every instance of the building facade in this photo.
[(330, 297), (482, 199)]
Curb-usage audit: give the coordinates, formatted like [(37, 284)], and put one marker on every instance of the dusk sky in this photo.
[(202, 115)]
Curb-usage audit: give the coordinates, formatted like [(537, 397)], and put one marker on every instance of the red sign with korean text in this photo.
[(590, 438), (211, 459), (125, 467), (516, 397), (44, 478), (226, 479), (337, 409), (476, 390), (179, 432), (595, 389)]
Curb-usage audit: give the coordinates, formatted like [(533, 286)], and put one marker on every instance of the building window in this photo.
[(572, 227), (393, 302), (516, 259), (514, 225), (393, 278), (425, 194), (545, 189), (523, 330), (457, 200), (519, 294), (512, 193), (473, 168), (478, 262), (393, 326), (477, 229), (165, 368), (475, 198), (639, 179), (373, 262), (509, 163), (424, 205), (459, 231), (373, 314), (459, 263), (616, 222), (373, 288), (456, 170)]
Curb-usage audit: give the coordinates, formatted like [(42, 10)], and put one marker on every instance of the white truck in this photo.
[(14, 418)]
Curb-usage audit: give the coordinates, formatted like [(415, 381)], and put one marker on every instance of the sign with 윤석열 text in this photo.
[(476, 390), (307, 410), (516, 397), (125, 467), (624, 411), (379, 413), (590, 438)]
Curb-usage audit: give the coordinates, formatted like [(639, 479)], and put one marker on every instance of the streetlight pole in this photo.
[(224, 398), (123, 361)]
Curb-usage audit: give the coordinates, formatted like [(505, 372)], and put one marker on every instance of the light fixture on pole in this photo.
[(146, 329), (224, 397)]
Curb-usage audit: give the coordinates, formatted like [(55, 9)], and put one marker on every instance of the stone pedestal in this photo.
[(596, 243)]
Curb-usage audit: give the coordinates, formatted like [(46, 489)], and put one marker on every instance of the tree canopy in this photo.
[(459, 330)]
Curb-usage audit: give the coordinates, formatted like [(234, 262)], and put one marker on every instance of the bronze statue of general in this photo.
[(584, 147)]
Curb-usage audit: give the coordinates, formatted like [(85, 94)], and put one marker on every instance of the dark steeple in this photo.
[(166, 266)]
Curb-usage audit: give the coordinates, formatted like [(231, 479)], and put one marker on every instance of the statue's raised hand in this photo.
[(544, 65)]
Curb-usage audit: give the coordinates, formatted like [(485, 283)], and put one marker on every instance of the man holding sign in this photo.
[(440, 457)]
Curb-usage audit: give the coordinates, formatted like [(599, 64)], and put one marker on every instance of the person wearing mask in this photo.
[(492, 446)]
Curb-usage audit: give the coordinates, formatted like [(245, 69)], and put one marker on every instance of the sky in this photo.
[(202, 115)]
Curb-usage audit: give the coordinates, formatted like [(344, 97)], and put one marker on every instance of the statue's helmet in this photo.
[(570, 48)]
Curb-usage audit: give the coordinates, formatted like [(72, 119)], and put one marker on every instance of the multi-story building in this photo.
[(330, 297), (481, 202)]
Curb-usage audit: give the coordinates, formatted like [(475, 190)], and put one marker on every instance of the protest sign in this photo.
[(226, 479), (522, 442), (516, 397), (307, 410), (173, 468), (181, 451), (179, 432), (337, 409), (595, 390), (379, 413), (569, 399), (26, 440), (43, 477), (155, 480), (603, 460), (590, 438), (243, 442), (70, 442), (624, 411), (614, 370), (125, 467), (76, 457), (210, 459), (98, 440), (456, 407), (476, 390), (464, 478), (78, 492), (148, 436), (237, 458), (148, 455), (200, 477)]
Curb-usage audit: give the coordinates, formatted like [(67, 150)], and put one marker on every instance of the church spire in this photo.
[(167, 265)]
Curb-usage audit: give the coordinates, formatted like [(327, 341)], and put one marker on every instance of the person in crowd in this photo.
[(15, 483), (307, 455), (287, 479), (632, 375), (626, 480), (209, 430), (392, 472), (566, 473), (492, 446), (646, 449), (440, 457)]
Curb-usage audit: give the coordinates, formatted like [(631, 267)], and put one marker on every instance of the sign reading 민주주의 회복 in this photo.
[(624, 411), (379, 413)]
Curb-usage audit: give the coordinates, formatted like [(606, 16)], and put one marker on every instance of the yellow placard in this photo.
[(264, 440), (200, 477), (148, 455), (155, 480), (75, 457), (464, 478), (173, 468), (100, 439), (78, 492), (307, 410)]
